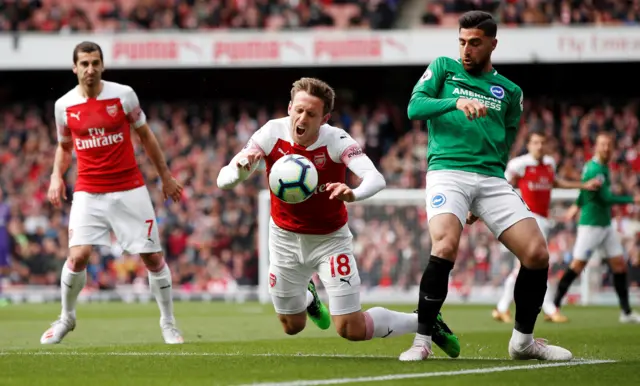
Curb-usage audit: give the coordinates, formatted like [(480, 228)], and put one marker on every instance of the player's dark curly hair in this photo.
[(86, 47), (481, 20)]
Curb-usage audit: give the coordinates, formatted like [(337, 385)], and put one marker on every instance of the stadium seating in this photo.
[(107, 15), (535, 12)]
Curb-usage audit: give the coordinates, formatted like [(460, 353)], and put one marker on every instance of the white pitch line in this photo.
[(210, 354), (396, 377)]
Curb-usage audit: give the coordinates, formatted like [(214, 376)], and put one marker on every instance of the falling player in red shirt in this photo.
[(96, 118), (314, 236), (535, 175)]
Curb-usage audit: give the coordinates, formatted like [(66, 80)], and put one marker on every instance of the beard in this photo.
[(476, 67)]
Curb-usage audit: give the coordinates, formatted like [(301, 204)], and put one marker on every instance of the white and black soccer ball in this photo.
[(293, 178)]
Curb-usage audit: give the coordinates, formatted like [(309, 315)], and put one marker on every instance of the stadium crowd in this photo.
[(120, 15), (536, 12), (210, 237), (107, 15)]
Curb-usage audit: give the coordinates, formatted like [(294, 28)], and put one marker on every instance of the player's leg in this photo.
[(87, 227), (316, 310), (339, 274), (501, 312), (449, 197), (588, 239), (549, 309), (507, 216), (292, 298), (133, 221), (613, 247), (292, 293)]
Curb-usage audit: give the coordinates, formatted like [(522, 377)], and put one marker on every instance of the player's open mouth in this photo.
[(300, 130)]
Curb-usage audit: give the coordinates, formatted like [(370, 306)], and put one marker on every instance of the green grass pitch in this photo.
[(240, 344)]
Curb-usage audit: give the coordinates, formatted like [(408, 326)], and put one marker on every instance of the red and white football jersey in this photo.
[(100, 129), (535, 181), (331, 154)]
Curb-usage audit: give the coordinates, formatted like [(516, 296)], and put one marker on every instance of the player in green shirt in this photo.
[(595, 231), (473, 115)]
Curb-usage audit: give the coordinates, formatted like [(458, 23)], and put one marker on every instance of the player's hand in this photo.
[(57, 190), (636, 199), (341, 192), (171, 188), (249, 160), (471, 218), (471, 108), (592, 184)]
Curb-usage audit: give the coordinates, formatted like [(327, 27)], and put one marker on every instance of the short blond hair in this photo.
[(317, 88)]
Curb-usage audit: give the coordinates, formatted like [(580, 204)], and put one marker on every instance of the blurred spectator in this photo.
[(537, 12), (121, 15)]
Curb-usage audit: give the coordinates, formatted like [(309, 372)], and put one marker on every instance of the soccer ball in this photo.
[(293, 178)]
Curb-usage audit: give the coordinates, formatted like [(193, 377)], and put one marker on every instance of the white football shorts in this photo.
[(129, 214), (590, 239), (294, 257), (492, 199)]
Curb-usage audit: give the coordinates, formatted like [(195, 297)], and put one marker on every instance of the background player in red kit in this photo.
[(96, 118), (535, 175), (313, 236)]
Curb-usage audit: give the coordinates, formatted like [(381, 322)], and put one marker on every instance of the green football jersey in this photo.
[(480, 146), (596, 205)]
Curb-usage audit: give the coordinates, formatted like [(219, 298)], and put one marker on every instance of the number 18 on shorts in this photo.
[(294, 258)]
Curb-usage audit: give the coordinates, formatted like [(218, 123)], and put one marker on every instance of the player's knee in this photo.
[(292, 324), (445, 236), (536, 254), (153, 261), (618, 265), (351, 327), (446, 248), (79, 257), (577, 266)]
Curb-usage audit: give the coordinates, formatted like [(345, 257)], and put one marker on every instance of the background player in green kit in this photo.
[(473, 115), (595, 231)]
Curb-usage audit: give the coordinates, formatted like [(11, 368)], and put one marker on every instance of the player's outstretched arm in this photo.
[(613, 199), (603, 192), (592, 185), (247, 161), (239, 169)]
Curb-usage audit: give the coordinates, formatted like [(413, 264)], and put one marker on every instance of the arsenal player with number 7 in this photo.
[(313, 236), (96, 118)]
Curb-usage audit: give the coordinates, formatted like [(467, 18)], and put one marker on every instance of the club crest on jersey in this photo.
[(437, 200), (112, 110), (497, 92), (319, 160), (426, 76)]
